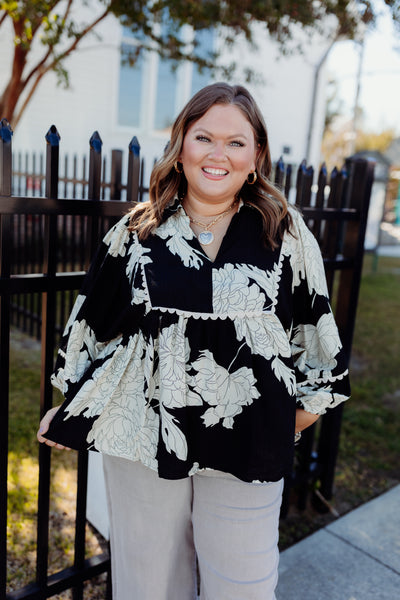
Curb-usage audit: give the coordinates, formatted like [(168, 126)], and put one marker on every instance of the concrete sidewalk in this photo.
[(355, 558)]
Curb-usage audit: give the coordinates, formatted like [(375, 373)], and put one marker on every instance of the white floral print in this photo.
[(266, 280), (317, 345), (117, 238), (305, 258), (176, 231), (225, 392), (265, 335), (169, 381), (232, 292)]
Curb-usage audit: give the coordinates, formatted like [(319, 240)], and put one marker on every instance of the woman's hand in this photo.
[(304, 419), (44, 426)]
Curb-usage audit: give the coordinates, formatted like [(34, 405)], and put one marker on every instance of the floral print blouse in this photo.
[(184, 363)]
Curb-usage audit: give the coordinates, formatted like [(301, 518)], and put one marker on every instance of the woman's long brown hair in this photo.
[(166, 183)]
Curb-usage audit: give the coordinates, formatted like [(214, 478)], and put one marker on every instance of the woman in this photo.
[(201, 343)]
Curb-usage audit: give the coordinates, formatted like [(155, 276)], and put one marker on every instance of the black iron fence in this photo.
[(29, 179), (46, 245), (29, 174)]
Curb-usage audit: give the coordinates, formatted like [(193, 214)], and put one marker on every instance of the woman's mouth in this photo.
[(214, 172)]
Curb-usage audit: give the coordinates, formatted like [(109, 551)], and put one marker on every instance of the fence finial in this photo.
[(132, 189), (5, 131), (134, 146), (96, 142), (52, 137), (5, 158)]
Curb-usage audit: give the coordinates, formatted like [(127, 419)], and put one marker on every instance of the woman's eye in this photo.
[(202, 138), (237, 144)]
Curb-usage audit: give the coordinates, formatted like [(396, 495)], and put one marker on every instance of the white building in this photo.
[(121, 101)]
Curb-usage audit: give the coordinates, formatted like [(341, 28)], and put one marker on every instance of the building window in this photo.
[(165, 110), (151, 91), (130, 89), (204, 49)]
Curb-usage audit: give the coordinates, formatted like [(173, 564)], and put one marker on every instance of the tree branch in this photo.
[(67, 10), (66, 52), (3, 18), (37, 67), (77, 40)]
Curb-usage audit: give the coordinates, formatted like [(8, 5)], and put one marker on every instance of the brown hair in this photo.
[(166, 183)]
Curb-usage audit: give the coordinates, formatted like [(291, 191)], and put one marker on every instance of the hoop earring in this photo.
[(178, 167), (253, 178)]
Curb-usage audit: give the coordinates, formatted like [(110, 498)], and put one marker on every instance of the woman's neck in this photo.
[(206, 209)]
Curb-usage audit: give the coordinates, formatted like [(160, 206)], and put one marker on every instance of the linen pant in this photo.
[(158, 526)]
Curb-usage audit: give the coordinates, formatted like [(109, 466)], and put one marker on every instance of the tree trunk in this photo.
[(13, 90), (9, 99)]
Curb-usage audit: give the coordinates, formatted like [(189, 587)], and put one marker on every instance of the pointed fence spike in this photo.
[(52, 137), (96, 142), (323, 169), (5, 158), (134, 146), (6, 132), (94, 190), (133, 183)]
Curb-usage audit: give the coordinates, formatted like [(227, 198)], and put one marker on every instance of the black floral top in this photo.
[(184, 363)]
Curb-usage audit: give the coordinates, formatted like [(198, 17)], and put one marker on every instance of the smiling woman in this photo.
[(218, 153), (201, 342)]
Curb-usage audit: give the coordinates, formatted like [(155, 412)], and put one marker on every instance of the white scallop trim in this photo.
[(241, 314), (326, 379)]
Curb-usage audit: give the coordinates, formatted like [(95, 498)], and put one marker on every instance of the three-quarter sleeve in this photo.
[(319, 359)]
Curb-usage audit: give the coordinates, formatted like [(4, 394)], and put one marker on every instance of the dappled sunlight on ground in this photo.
[(22, 521)]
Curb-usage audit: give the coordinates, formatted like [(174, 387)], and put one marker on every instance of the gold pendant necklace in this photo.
[(206, 236)]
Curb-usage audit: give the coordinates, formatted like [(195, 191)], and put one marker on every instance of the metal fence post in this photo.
[(288, 181), (5, 269), (93, 225), (116, 174), (47, 335), (52, 155), (95, 166), (5, 158), (132, 192)]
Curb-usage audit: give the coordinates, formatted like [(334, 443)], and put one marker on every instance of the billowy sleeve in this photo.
[(320, 362), (100, 314)]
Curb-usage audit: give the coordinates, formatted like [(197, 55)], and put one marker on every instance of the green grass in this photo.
[(370, 441), (368, 462), (23, 473)]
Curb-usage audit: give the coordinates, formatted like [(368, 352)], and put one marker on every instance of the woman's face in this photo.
[(218, 153)]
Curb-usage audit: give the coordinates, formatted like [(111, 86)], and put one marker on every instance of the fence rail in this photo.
[(46, 245)]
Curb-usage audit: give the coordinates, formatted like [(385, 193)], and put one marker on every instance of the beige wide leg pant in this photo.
[(158, 526)]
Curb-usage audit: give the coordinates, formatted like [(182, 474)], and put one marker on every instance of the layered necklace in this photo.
[(206, 236)]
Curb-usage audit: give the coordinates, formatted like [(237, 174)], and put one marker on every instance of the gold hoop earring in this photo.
[(178, 167), (253, 178)]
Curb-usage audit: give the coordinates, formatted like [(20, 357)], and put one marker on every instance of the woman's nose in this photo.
[(218, 151)]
